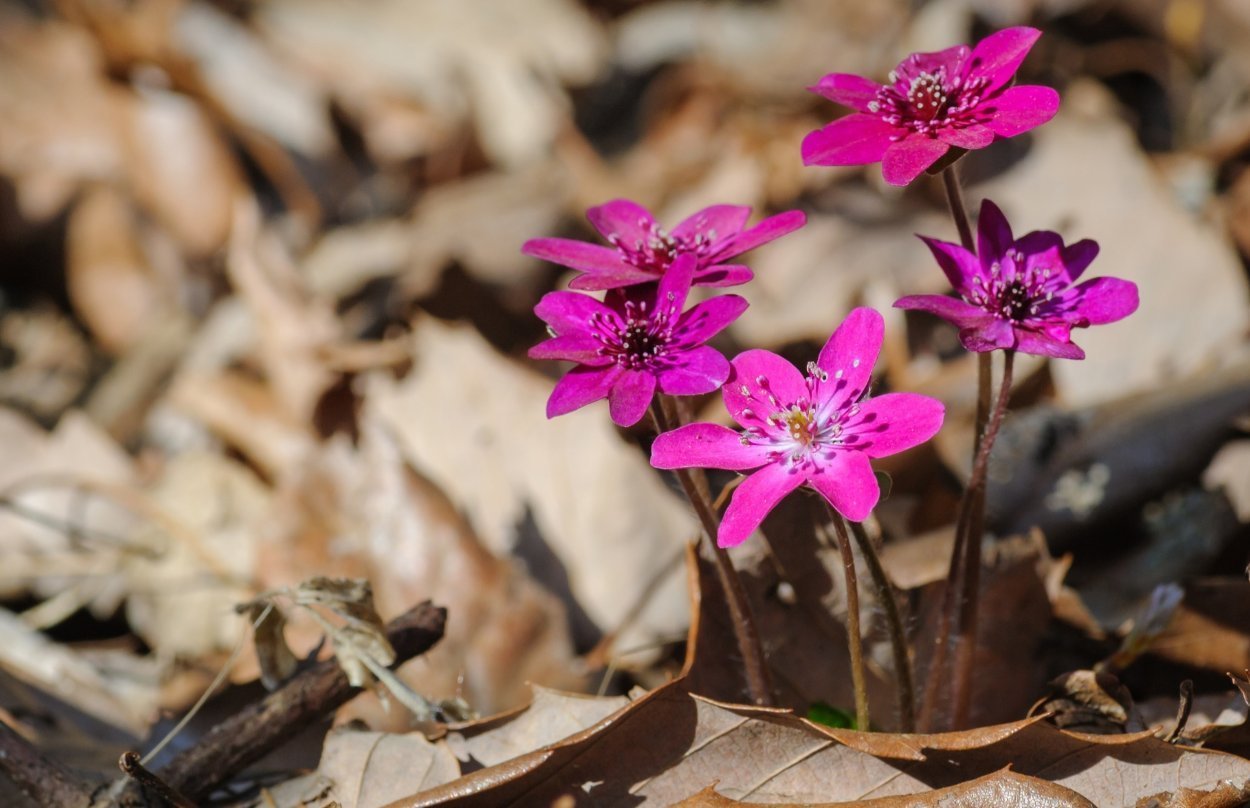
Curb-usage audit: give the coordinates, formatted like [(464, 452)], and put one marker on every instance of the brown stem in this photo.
[(854, 638), (971, 523), (894, 622), (694, 485), (132, 768), (40, 778), (955, 200)]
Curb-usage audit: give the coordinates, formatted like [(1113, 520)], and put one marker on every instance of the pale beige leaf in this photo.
[(370, 769)]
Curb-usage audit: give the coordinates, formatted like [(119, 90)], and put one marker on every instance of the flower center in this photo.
[(802, 431), (658, 249), (801, 424), (927, 96), (1016, 296), (636, 341), (925, 100)]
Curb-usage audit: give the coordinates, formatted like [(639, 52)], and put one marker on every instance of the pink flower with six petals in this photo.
[(818, 429), (956, 97), (1019, 293), (642, 251), (629, 345)]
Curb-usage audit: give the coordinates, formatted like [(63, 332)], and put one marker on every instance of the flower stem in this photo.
[(955, 200), (694, 485), (854, 638), (898, 638)]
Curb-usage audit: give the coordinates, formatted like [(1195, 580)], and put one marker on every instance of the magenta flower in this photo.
[(627, 346), (819, 429), (955, 97), (642, 251), (1018, 293)]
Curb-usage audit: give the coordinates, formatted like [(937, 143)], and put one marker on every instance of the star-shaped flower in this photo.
[(642, 251), (956, 97), (629, 345), (818, 429), (1019, 293)]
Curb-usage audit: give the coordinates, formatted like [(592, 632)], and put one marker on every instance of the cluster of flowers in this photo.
[(819, 427)]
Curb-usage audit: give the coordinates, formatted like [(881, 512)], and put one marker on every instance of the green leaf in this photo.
[(821, 713)]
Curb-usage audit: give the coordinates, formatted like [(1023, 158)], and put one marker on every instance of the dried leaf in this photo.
[(277, 661), (370, 769)]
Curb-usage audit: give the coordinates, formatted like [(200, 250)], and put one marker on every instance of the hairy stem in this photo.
[(854, 638), (955, 199), (694, 485), (894, 622)]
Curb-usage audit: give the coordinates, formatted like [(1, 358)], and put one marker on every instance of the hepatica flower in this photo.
[(1019, 293), (629, 345), (819, 429), (955, 97), (641, 251)]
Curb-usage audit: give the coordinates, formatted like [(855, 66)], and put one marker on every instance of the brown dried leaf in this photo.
[(369, 769), (276, 660)]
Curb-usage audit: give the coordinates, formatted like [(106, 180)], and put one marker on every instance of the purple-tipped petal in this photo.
[(1018, 109), (630, 396), (972, 136), (781, 380), (994, 236), (1038, 344), (895, 422), (849, 356), (960, 266), (701, 371), (951, 309), (723, 275), (675, 284), (908, 158), (624, 275), (999, 55), (715, 223), (707, 319), (849, 485), (851, 141), (581, 348), (622, 219), (710, 446), (570, 312), (993, 334), (577, 255), (774, 227), (855, 92), (1077, 257), (579, 387), (949, 61), (1105, 300), (753, 499)]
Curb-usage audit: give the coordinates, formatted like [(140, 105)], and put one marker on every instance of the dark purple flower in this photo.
[(1018, 293), (642, 251), (955, 97), (629, 345), (819, 429)]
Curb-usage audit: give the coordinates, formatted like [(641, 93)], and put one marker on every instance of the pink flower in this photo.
[(1018, 293), (955, 97), (820, 429), (642, 251), (628, 345)]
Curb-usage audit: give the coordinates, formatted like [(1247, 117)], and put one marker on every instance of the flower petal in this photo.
[(622, 219), (782, 381), (570, 312), (717, 223), (630, 396), (971, 136), (849, 356), (710, 446), (1077, 257), (949, 61), (999, 55), (1039, 344), (908, 158), (704, 320), (1018, 109), (581, 348), (699, 371), (849, 485), (581, 386), (753, 499), (962, 314), (1105, 300), (674, 286), (723, 275), (960, 266), (579, 255), (894, 422), (849, 90), (990, 335), (994, 237), (623, 275), (774, 227), (851, 141)]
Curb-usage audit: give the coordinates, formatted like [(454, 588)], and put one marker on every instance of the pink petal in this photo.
[(972, 136), (855, 92), (710, 446), (722, 275), (993, 233), (774, 227), (894, 422), (623, 275), (704, 320), (908, 158), (849, 356), (623, 219), (781, 380), (675, 285), (1038, 344), (630, 396), (960, 266), (570, 312), (851, 141), (1105, 300), (581, 348), (991, 335), (999, 55), (579, 387), (699, 371), (951, 60), (1077, 257), (953, 310), (847, 482), (717, 223), (1019, 109), (753, 499), (578, 255)]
